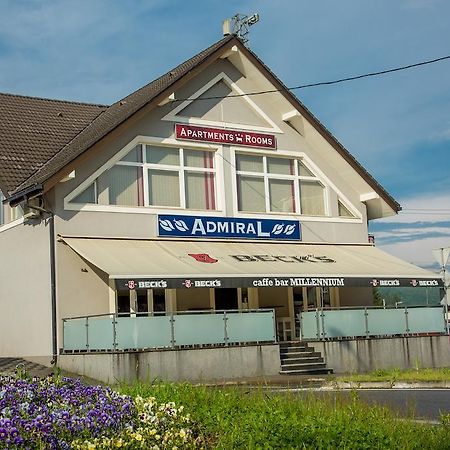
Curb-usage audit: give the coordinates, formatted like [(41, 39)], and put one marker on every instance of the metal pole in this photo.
[(406, 320), (172, 330), (445, 294), (114, 333), (87, 333), (225, 333)]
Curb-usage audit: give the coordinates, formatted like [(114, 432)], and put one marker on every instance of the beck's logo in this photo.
[(203, 257)]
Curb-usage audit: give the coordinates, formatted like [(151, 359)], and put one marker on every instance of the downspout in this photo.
[(51, 218)]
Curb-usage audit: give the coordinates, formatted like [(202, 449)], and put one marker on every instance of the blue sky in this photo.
[(397, 126)]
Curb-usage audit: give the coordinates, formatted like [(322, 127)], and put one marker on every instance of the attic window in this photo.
[(343, 210), (281, 185), (151, 175)]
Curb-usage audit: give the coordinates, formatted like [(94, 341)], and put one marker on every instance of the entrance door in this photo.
[(226, 298)]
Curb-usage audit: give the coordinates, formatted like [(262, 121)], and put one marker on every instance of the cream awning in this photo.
[(234, 264)]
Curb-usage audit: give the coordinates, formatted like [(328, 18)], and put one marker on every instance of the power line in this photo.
[(321, 83), (427, 209)]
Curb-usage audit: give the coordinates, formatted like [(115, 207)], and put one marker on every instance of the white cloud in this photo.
[(418, 252), (422, 208), (421, 223)]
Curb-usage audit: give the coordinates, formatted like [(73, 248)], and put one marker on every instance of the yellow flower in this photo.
[(138, 437), (90, 446), (119, 443), (182, 433)]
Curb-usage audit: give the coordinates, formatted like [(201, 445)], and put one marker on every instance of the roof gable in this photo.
[(49, 168)]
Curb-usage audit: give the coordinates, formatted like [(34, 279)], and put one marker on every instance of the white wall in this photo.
[(25, 295)]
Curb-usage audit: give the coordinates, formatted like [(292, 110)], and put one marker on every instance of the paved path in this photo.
[(426, 404), (8, 367)]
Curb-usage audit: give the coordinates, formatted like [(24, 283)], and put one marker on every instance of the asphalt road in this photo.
[(425, 404)]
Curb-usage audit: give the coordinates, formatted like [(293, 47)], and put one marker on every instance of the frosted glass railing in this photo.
[(116, 332), (356, 322)]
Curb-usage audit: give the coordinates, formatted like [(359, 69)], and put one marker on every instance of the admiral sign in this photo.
[(227, 227), (224, 136)]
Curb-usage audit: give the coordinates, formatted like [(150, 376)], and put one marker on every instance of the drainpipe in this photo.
[(51, 218)]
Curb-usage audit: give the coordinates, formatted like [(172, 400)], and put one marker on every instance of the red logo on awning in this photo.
[(203, 257)]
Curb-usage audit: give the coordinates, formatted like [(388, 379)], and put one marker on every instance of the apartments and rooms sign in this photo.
[(225, 136)]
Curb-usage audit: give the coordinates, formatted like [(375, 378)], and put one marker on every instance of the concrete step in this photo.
[(306, 372), (315, 359), (284, 345), (297, 354), (301, 366)]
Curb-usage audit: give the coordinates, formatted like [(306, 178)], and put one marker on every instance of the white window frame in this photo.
[(319, 177), (4, 211), (149, 209)]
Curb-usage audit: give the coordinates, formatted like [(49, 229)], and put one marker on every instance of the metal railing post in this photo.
[(406, 320), (300, 321), (114, 322), (87, 333), (64, 333), (322, 321), (366, 321), (317, 325), (275, 337), (172, 330), (225, 331)]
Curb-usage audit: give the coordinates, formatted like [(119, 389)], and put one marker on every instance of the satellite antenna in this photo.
[(239, 25)]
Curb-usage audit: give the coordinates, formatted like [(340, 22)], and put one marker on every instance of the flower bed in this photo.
[(63, 413)]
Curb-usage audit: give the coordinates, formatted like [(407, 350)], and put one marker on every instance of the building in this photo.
[(188, 195)]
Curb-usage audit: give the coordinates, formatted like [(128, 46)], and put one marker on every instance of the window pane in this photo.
[(280, 165), (16, 212), (251, 195), (87, 196), (123, 185), (163, 188), (311, 198), (282, 195), (303, 171), (134, 156), (343, 211), (249, 163), (163, 155), (200, 190), (195, 158)]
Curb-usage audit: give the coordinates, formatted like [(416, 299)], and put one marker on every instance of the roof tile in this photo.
[(33, 129)]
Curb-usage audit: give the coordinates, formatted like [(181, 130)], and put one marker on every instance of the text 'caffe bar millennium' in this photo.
[(140, 223)]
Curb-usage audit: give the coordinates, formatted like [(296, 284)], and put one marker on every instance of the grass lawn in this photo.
[(233, 418), (392, 375)]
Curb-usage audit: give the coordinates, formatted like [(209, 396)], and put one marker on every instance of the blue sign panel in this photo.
[(228, 227)]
